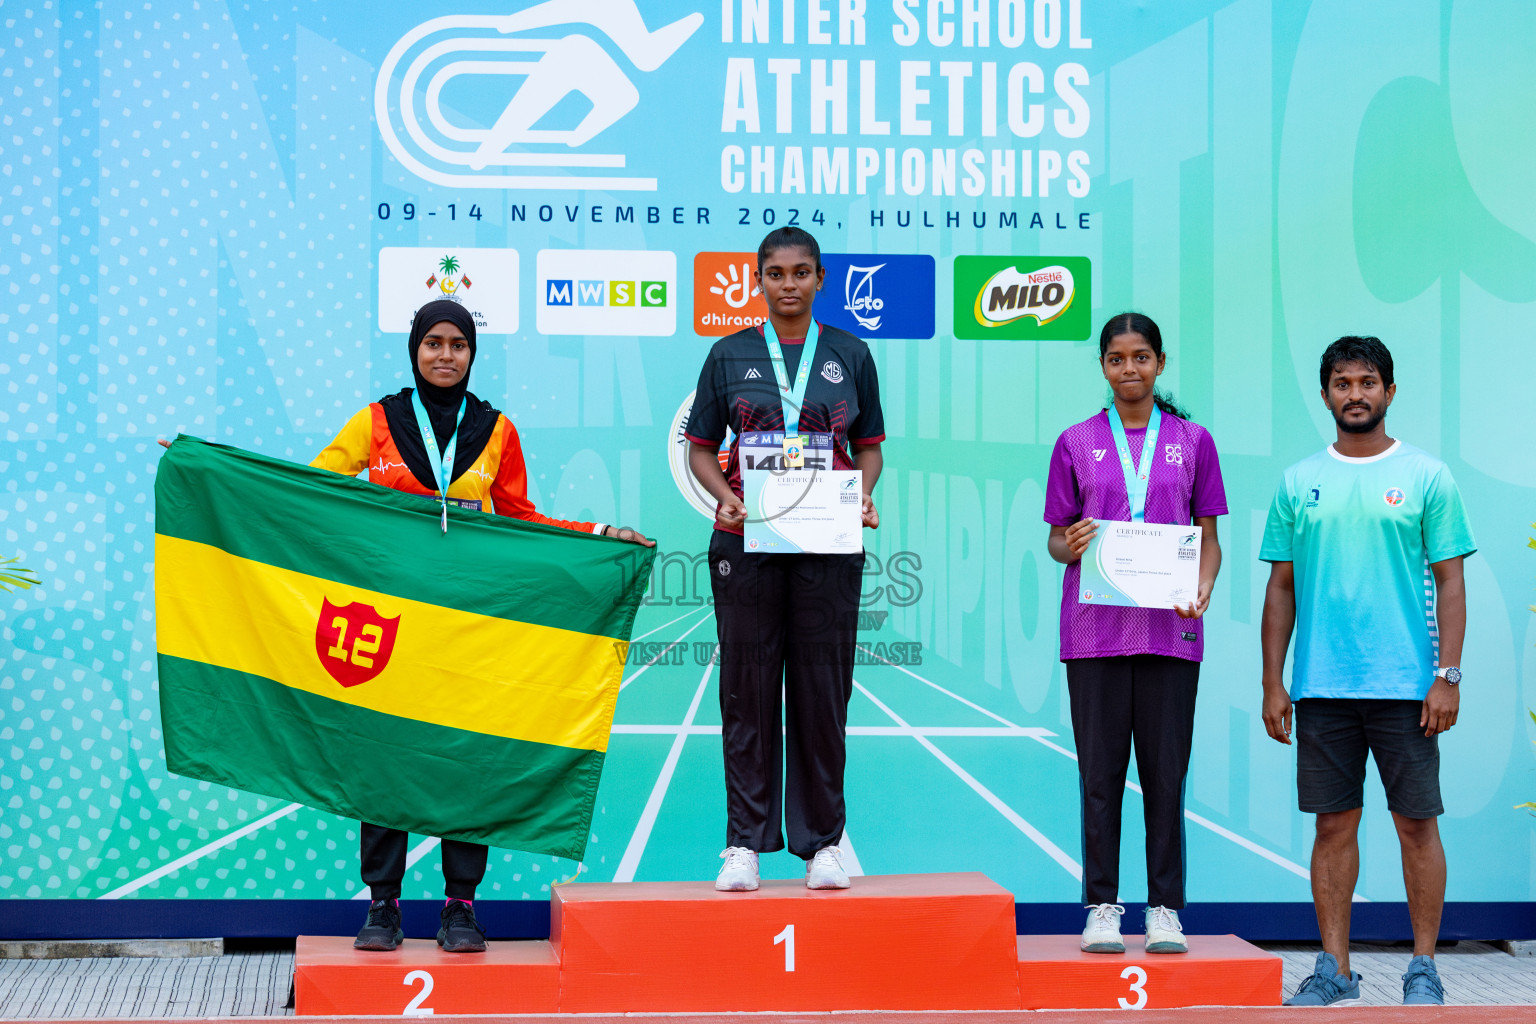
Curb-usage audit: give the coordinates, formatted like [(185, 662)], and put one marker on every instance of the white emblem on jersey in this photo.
[(1098, 454), (1173, 454), (752, 374), (832, 372)]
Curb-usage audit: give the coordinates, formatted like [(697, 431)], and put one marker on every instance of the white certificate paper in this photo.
[(1141, 565), (813, 508)]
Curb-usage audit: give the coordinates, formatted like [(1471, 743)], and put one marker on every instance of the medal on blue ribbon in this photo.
[(1137, 476), (442, 467), (792, 397)]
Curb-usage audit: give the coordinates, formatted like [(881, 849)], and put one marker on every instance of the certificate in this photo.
[(813, 508), (1141, 565)]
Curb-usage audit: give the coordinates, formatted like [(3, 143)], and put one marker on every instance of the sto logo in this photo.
[(353, 641), (437, 144)]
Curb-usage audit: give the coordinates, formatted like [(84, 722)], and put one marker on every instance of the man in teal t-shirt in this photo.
[(1365, 541)]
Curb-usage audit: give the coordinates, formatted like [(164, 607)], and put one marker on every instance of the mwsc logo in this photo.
[(518, 150), (566, 292), (607, 291)]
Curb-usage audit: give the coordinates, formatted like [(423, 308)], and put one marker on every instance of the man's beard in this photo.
[(1362, 427)]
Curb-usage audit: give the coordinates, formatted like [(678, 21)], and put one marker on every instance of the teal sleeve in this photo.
[(1447, 533), (1280, 527)]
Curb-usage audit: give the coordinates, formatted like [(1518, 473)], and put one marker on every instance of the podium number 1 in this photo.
[(787, 936), (414, 1007), (1138, 985)]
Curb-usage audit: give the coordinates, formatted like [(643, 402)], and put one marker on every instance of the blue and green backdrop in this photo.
[(218, 218)]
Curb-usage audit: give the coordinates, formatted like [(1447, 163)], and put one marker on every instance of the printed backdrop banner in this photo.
[(220, 217)]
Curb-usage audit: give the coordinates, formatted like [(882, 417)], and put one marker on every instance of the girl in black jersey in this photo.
[(786, 622)]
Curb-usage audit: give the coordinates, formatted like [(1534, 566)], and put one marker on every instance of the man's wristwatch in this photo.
[(1451, 674)]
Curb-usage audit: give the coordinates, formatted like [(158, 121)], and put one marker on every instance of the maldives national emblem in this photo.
[(353, 641)]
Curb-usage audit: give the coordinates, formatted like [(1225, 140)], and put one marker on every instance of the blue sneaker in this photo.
[(1325, 986), (1421, 985)]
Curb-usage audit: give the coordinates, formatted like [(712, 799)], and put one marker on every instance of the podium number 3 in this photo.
[(414, 1007), (787, 936), (1138, 986)]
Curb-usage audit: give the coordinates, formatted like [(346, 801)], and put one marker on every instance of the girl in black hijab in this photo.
[(390, 439)]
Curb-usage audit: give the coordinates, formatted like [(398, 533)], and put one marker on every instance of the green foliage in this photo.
[(17, 578)]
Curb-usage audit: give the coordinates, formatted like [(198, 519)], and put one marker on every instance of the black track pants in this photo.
[(1148, 699), (383, 854), (787, 625)]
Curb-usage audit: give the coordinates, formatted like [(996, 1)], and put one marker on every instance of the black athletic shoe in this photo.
[(382, 930), (460, 932)]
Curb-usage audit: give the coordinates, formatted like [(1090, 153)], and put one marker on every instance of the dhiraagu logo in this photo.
[(1033, 297), (607, 291)]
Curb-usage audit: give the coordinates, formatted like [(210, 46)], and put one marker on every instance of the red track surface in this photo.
[(1204, 1015)]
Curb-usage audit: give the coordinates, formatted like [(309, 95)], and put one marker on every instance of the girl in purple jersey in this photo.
[(1132, 672)]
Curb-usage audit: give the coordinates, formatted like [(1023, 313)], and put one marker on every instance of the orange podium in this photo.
[(1218, 970), (892, 942), (420, 980)]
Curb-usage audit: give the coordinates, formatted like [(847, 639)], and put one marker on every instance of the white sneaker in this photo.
[(1102, 933), (1164, 932), (825, 870), (740, 871)]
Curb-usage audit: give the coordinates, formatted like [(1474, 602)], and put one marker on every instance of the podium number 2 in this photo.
[(787, 936), (1138, 986), (414, 1007)]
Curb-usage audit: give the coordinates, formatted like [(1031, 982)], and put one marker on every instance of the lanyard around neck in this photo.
[(1136, 479), (793, 398), (442, 467)]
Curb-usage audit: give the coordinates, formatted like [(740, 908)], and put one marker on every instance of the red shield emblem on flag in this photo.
[(354, 641)]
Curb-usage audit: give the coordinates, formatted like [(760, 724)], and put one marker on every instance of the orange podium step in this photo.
[(419, 979), (1218, 970), (892, 942)]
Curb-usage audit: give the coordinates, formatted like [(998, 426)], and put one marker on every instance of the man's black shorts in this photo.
[(1333, 735)]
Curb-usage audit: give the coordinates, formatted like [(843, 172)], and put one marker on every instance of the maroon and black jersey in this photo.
[(737, 390)]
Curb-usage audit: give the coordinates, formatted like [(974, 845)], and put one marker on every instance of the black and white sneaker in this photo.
[(460, 932), (382, 929)]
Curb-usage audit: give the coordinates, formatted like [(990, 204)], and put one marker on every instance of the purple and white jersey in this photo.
[(1086, 482)]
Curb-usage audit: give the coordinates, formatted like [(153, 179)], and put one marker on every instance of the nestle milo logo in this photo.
[(1037, 297), (1009, 295)]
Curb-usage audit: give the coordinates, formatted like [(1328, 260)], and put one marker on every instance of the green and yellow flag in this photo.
[(322, 640)]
